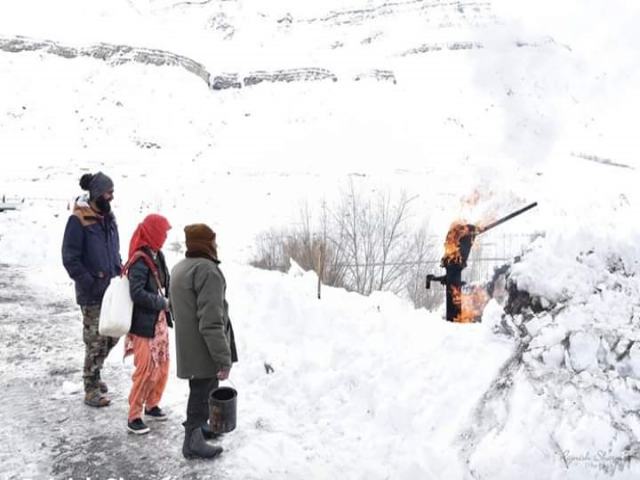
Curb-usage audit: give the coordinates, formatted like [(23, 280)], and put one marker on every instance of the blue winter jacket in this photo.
[(91, 252)]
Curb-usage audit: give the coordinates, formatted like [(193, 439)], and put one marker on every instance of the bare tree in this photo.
[(427, 254), (363, 243), (377, 239), (270, 247), (394, 241), (333, 254)]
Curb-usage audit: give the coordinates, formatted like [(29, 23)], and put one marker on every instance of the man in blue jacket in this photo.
[(91, 256)]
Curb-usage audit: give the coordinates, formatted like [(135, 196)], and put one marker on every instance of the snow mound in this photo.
[(575, 382)]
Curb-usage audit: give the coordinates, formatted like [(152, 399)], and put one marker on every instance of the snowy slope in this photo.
[(519, 101)]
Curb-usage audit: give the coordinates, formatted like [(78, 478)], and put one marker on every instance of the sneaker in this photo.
[(137, 426), (156, 413)]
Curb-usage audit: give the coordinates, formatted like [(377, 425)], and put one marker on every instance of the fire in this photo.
[(470, 305), (453, 244), (456, 297)]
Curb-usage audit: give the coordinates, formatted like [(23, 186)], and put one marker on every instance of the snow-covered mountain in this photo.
[(235, 113)]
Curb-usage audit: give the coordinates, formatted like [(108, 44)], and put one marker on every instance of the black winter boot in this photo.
[(195, 446)]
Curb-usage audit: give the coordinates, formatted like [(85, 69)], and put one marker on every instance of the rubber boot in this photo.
[(195, 446)]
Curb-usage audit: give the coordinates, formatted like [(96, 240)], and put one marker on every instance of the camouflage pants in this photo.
[(97, 347)]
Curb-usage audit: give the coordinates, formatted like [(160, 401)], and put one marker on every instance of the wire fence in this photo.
[(484, 258), (488, 255)]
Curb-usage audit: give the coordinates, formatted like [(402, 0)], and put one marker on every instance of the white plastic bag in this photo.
[(116, 309)]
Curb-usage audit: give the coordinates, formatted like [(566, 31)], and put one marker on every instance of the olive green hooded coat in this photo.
[(204, 337)]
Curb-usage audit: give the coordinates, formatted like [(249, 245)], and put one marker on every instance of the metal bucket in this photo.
[(223, 403)]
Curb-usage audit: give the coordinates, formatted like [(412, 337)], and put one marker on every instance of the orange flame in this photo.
[(456, 298), (452, 252), (470, 304)]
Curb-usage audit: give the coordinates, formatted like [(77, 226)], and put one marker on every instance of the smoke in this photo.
[(526, 80), (549, 68)]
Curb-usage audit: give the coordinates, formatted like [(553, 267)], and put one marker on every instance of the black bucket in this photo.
[(223, 403)]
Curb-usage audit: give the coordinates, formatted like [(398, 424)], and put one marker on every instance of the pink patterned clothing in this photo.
[(151, 360), (159, 344)]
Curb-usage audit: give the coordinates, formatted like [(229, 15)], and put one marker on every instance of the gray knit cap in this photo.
[(99, 185)]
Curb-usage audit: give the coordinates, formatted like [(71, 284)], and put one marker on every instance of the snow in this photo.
[(537, 106)]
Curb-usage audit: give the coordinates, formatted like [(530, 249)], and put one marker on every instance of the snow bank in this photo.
[(577, 388)]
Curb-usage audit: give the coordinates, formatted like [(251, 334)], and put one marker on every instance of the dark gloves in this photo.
[(169, 318)]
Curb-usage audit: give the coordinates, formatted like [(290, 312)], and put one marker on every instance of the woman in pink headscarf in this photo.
[(148, 338)]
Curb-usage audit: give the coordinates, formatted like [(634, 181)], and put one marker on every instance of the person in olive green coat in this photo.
[(205, 345)]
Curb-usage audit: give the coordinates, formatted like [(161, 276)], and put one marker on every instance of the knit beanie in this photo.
[(200, 241), (97, 184)]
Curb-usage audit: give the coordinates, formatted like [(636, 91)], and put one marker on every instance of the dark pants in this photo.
[(198, 404)]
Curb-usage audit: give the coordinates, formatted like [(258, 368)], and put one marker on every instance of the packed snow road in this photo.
[(47, 430)]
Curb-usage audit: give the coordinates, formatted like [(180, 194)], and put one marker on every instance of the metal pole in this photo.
[(508, 217), (320, 268)]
